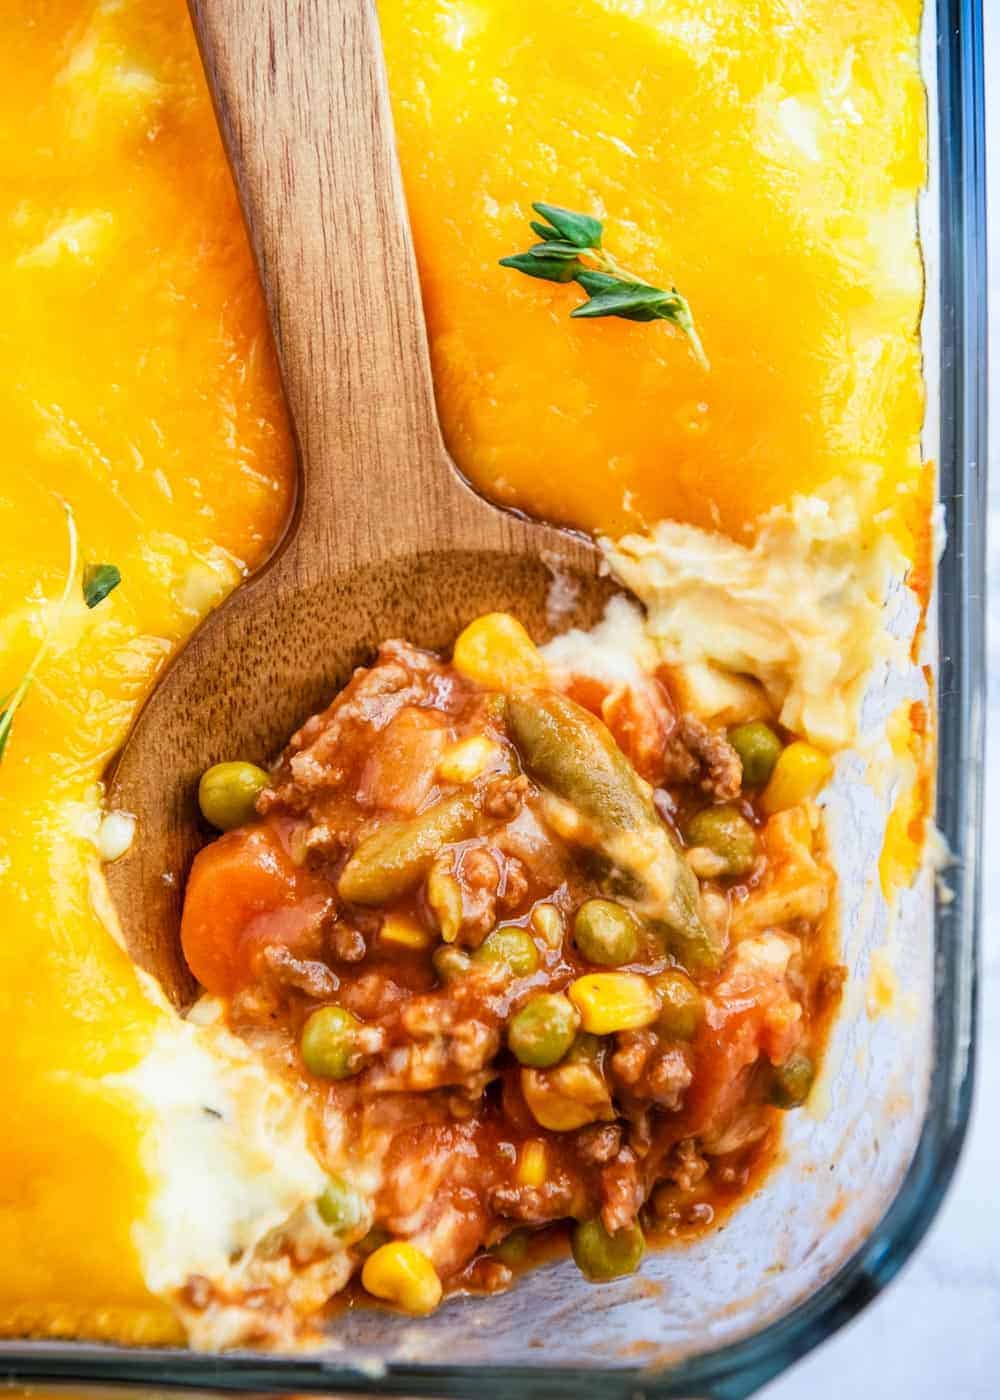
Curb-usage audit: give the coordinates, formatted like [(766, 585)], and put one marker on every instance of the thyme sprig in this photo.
[(98, 581), (571, 250)]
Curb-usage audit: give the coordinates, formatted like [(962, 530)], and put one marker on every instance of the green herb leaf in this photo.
[(554, 249), (593, 283), (571, 251), (548, 269), (626, 299), (582, 230), (98, 581)]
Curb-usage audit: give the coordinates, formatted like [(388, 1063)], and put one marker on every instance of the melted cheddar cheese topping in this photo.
[(137, 385), (767, 166), (763, 157)]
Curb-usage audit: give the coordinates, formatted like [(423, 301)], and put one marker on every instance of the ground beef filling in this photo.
[(507, 942)]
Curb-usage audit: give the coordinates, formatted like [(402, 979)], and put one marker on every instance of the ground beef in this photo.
[(685, 1166), (504, 797), (314, 979), (533, 1205), (597, 1144), (647, 1069), (445, 1045), (478, 873), (713, 762), (679, 764), (346, 944), (622, 1191)]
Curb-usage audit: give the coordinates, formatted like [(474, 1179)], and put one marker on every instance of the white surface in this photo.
[(935, 1334)]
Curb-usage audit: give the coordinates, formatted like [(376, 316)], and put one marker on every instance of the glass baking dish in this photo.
[(863, 1172)]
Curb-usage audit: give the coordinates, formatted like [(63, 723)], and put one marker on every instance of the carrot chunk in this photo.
[(233, 882)]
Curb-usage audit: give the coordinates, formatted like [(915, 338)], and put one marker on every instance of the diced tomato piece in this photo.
[(751, 1012), (640, 718), (399, 772)]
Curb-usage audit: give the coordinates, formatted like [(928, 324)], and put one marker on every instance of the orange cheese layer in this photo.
[(137, 384), (763, 158), (770, 172)]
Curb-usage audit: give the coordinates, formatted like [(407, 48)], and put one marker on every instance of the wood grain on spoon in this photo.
[(387, 540)]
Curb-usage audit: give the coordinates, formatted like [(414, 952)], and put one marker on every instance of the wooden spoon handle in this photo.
[(300, 91)]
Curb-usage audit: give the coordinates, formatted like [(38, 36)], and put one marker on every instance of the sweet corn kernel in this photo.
[(614, 1001), (533, 1164), (467, 759), (548, 923), (496, 651), (405, 932), (401, 1273), (444, 895), (800, 772)]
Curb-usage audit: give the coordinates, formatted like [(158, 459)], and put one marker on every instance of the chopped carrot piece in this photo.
[(235, 880)]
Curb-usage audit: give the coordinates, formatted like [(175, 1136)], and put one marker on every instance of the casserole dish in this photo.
[(898, 1087)]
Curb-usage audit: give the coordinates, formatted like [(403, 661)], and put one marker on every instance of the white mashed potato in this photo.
[(235, 1178), (801, 610)]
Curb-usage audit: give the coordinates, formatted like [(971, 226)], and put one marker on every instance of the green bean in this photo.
[(570, 751), (542, 1032), (397, 854), (573, 754), (792, 1081), (513, 1248), (727, 833), (228, 792), (600, 1256), (759, 749)]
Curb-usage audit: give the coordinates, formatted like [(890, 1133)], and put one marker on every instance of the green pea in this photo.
[(340, 1206), (510, 945), (228, 792), (600, 1256), (450, 963), (727, 832), (328, 1045), (792, 1081), (542, 1032), (681, 1005), (759, 749), (606, 933)]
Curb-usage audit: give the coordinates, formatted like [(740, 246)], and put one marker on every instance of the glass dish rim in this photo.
[(738, 1369)]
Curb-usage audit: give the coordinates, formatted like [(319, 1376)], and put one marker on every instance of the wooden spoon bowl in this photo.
[(387, 539)]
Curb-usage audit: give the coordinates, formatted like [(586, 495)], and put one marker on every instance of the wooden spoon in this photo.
[(387, 540)]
